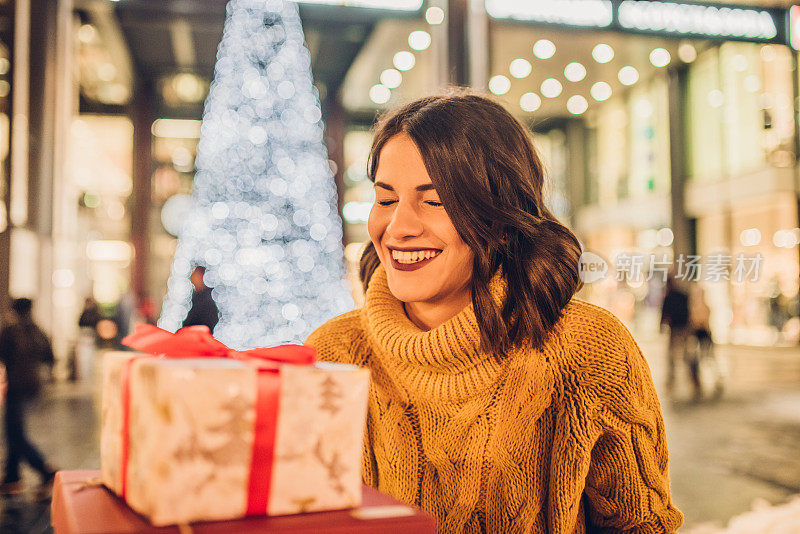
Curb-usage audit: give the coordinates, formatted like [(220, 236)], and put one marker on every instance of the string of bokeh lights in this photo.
[(600, 91), (404, 60)]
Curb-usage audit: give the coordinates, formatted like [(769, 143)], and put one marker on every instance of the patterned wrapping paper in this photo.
[(191, 437)]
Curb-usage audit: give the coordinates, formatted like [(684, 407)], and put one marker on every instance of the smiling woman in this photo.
[(499, 402)]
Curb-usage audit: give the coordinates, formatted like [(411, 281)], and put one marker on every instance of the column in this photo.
[(796, 114), (140, 204), (335, 129), (478, 45), (42, 244), (676, 83), (456, 22), (7, 36)]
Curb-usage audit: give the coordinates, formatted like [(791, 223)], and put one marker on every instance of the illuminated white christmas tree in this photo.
[(264, 220)]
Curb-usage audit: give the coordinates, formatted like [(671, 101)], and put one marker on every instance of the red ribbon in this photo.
[(197, 342)]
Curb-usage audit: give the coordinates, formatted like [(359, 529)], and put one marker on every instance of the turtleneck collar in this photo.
[(443, 363)]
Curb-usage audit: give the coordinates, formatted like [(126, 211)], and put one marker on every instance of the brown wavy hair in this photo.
[(484, 166)]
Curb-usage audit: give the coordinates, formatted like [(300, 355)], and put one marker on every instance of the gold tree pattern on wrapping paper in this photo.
[(196, 447), (333, 466), (330, 394), (304, 504)]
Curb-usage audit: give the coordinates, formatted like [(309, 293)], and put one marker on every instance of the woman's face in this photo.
[(426, 261)]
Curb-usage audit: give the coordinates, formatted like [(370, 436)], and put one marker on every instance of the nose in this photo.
[(405, 222)]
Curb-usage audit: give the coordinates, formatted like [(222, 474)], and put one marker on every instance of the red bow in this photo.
[(197, 342)]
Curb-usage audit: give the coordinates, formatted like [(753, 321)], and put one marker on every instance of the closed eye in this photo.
[(390, 202)]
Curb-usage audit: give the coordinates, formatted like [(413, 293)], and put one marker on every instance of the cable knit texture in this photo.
[(566, 438)]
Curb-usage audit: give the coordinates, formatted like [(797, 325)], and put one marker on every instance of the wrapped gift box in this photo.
[(190, 428), (82, 506)]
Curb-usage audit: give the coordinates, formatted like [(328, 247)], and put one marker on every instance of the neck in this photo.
[(427, 315)]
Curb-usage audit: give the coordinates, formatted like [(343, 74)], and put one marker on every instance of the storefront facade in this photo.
[(685, 139)]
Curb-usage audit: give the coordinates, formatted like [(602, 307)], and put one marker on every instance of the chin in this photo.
[(406, 292)]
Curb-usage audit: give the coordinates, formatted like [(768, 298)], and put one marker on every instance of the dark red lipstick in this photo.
[(411, 266)]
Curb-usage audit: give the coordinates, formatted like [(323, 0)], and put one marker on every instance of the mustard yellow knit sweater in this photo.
[(569, 438)]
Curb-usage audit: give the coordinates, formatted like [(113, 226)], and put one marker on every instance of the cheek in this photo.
[(463, 254), (465, 260), (460, 253)]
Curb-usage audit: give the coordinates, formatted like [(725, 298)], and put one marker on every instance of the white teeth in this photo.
[(413, 256)]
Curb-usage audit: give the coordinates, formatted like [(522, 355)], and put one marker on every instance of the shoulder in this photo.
[(10, 331), (601, 354), (341, 339), (587, 324), (5, 335)]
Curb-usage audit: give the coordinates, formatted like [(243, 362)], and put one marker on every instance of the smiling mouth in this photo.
[(411, 260), (408, 257)]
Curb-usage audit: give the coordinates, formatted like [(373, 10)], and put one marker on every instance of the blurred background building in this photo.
[(667, 129)]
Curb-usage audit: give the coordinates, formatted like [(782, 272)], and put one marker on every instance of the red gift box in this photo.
[(82, 506)]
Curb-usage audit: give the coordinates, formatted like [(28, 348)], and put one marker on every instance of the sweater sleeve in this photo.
[(627, 486), (338, 339)]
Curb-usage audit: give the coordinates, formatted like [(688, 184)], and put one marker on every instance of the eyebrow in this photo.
[(423, 187)]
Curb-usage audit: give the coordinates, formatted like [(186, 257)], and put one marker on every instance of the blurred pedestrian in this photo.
[(706, 364), (90, 315), (83, 359), (778, 307), (700, 318), (675, 315), (23, 348), (204, 310), (123, 317)]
